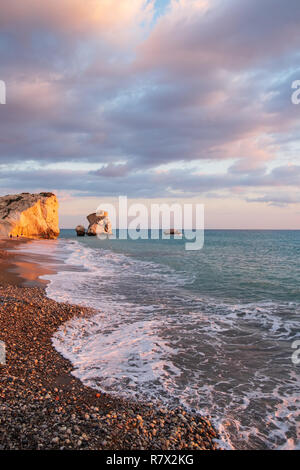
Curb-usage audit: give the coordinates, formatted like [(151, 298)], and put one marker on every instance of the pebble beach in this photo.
[(43, 406)]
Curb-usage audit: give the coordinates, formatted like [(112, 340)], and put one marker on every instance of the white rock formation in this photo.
[(99, 224)]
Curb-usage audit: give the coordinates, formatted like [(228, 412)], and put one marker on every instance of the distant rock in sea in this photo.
[(29, 215), (99, 224), (80, 230), (172, 231)]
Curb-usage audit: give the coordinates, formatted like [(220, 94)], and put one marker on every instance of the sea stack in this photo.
[(99, 224), (29, 215), (80, 230)]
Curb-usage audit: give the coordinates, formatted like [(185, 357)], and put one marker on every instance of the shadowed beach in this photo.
[(42, 405)]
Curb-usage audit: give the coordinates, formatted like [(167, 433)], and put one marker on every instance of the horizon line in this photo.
[(245, 229)]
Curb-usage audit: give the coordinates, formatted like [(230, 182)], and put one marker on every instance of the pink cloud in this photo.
[(77, 16)]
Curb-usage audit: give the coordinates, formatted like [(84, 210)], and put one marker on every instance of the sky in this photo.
[(166, 100)]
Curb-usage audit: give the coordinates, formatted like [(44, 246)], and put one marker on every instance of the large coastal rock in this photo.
[(99, 224), (29, 215)]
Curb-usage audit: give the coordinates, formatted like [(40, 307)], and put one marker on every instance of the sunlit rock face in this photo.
[(99, 224), (29, 215)]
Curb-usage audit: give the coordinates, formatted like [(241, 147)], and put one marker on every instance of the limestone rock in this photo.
[(99, 224), (29, 215), (80, 231), (92, 230), (94, 218), (172, 231)]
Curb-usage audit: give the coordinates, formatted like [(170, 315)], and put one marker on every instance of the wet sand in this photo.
[(19, 269), (42, 406)]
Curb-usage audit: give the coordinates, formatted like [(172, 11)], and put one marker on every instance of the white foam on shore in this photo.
[(120, 359), (151, 340)]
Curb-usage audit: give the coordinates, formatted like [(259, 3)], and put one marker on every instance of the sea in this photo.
[(213, 330)]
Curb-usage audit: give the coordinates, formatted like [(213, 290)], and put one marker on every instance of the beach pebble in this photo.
[(75, 416)]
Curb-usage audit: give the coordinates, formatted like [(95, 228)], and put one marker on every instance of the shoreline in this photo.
[(43, 406), (19, 268)]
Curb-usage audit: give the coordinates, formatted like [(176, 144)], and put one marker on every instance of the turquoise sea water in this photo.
[(234, 264), (211, 329)]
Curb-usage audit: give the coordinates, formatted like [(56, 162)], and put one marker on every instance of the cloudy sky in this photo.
[(159, 100)]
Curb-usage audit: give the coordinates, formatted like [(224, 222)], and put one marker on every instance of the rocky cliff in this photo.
[(29, 215)]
